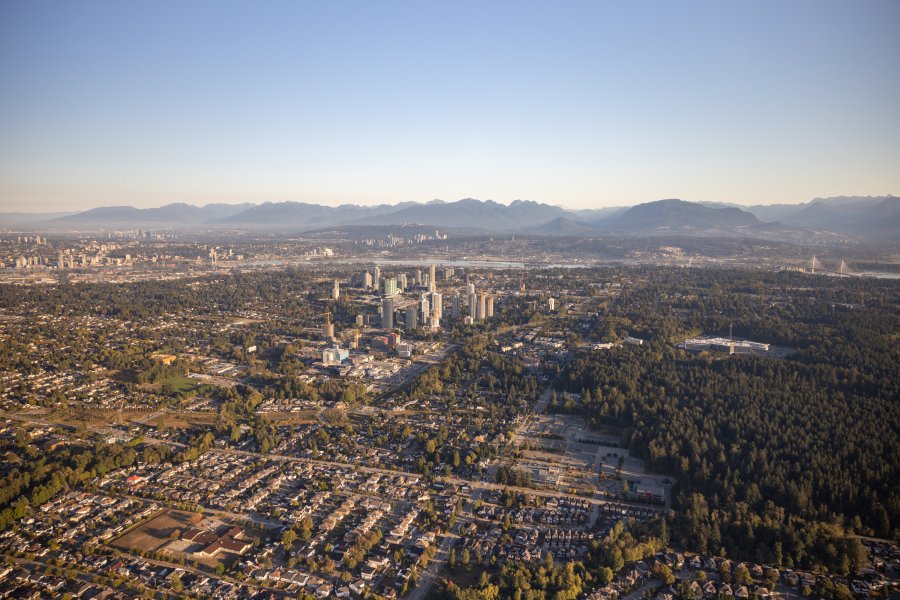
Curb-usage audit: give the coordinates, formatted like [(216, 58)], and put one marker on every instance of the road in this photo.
[(410, 373), (239, 517), (539, 407), (483, 485), (88, 576), (248, 582), (150, 420), (441, 557), (637, 592)]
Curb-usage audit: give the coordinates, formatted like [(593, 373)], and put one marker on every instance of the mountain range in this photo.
[(857, 216)]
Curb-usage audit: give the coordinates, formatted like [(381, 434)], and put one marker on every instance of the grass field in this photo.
[(179, 384)]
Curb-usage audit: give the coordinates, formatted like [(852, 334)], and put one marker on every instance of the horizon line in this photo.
[(434, 201)]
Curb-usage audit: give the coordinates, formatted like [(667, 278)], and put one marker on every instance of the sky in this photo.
[(579, 104)]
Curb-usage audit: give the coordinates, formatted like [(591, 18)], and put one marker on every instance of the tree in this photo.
[(605, 575), (615, 560), (288, 538), (175, 582), (664, 573)]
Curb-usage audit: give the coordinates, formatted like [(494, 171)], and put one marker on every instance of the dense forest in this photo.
[(776, 460)]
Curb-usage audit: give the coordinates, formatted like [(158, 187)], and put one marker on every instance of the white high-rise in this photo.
[(425, 307), (437, 304)]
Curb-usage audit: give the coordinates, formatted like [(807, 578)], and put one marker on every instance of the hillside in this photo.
[(467, 213), (668, 216)]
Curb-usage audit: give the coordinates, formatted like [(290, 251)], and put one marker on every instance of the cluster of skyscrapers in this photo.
[(427, 309)]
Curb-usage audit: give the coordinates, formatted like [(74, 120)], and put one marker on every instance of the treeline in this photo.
[(42, 474), (515, 477), (328, 390)]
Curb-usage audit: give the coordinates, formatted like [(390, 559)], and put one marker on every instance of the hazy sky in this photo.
[(583, 104)]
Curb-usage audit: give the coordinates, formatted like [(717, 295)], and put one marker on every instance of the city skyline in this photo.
[(585, 105)]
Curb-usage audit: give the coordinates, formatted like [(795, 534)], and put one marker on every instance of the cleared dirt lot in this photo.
[(153, 534)]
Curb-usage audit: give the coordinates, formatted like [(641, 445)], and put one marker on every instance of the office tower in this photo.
[(376, 280), (418, 277), (489, 307), (437, 304), (425, 307), (412, 317), (336, 290), (470, 288), (432, 278), (367, 281), (454, 311), (387, 313), (401, 281), (390, 286)]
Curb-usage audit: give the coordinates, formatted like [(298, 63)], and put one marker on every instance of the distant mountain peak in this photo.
[(873, 216), (675, 215)]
